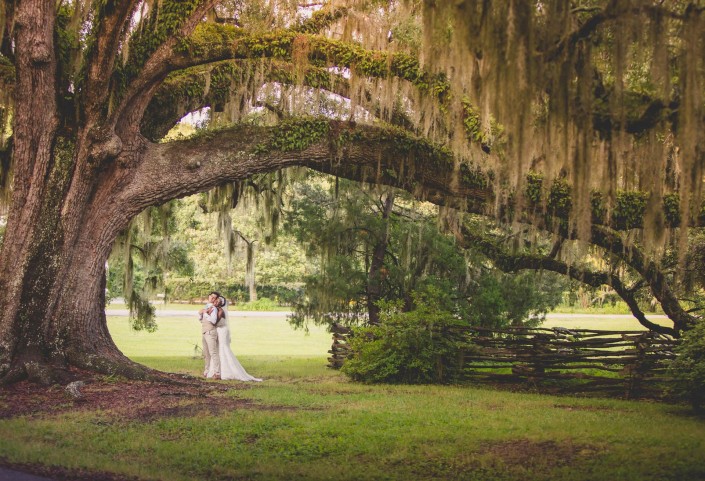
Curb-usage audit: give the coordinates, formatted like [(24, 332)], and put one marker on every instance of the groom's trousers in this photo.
[(210, 352)]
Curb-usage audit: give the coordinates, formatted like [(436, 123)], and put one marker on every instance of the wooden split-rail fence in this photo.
[(623, 363)]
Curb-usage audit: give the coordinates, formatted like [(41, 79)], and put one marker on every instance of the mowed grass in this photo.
[(306, 422), (253, 334), (605, 322)]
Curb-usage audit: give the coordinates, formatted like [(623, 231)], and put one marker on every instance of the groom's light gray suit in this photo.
[(210, 341)]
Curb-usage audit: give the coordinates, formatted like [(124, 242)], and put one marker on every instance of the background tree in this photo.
[(371, 249)]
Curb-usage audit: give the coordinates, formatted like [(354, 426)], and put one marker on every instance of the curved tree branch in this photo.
[(631, 255), (378, 154), (199, 87), (383, 155), (113, 16), (141, 89), (515, 262)]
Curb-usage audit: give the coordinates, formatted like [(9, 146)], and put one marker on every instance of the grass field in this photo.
[(257, 334), (306, 422)]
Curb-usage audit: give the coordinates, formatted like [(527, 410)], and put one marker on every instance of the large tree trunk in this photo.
[(53, 283), (53, 256), (29, 250)]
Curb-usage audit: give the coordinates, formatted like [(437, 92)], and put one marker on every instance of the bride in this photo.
[(230, 367)]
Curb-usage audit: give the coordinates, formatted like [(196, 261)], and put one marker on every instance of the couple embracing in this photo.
[(221, 363)]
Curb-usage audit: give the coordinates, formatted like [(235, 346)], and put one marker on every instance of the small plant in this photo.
[(111, 378), (415, 347), (688, 368)]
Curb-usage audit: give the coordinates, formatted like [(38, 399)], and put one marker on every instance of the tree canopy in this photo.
[(583, 119)]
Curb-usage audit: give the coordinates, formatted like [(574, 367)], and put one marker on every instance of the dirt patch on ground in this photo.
[(539, 455), (571, 407), (126, 400)]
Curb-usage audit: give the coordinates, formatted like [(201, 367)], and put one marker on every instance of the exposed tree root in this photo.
[(79, 367), (119, 365), (40, 372), (13, 375)]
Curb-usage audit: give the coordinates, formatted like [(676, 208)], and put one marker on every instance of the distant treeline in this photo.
[(188, 290)]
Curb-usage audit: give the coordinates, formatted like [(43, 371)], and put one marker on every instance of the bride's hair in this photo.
[(223, 301)]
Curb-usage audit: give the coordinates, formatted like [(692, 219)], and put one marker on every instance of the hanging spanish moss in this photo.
[(145, 242), (583, 93)]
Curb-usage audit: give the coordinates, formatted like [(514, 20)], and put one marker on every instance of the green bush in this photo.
[(689, 367), (416, 347), (262, 304)]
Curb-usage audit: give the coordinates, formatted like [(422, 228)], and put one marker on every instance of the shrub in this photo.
[(261, 304), (689, 367), (416, 347)]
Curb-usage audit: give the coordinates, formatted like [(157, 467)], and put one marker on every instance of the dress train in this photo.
[(230, 367)]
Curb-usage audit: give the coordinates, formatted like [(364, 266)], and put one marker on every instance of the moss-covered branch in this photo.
[(378, 154), (111, 17), (321, 19), (390, 156), (510, 263), (396, 157), (212, 42), (648, 269), (210, 86)]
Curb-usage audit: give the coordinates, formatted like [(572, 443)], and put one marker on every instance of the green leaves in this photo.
[(296, 134), (416, 347), (689, 366)]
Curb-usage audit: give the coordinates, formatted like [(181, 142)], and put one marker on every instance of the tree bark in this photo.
[(375, 275), (26, 243), (250, 271)]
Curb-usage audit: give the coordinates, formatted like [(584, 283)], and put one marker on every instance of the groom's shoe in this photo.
[(216, 377)]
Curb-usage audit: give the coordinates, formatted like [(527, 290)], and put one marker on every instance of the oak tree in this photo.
[(582, 118)]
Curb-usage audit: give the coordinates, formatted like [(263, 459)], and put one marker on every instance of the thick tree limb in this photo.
[(651, 273), (359, 152), (213, 43), (199, 87), (369, 153), (155, 69), (515, 262), (112, 17)]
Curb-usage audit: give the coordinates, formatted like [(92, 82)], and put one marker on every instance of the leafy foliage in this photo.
[(340, 224), (498, 300), (416, 347), (689, 367)]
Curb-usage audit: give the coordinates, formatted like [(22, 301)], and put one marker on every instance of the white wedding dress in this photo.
[(230, 367)]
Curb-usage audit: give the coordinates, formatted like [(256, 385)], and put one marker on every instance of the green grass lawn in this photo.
[(261, 335), (607, 322), (307, 422)]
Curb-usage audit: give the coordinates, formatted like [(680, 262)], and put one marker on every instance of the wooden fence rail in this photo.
[(625, 363)]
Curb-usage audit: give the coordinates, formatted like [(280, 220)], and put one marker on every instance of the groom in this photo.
[(209, 322)]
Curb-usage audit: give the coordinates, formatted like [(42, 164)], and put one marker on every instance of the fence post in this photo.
[(340, 350)]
